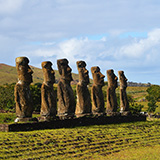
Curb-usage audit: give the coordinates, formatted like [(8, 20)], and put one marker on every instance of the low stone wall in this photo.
[(68, 123)]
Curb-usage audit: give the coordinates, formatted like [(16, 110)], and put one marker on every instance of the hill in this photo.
[(9, 74)]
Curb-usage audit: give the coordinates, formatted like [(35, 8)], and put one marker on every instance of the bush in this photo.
[(7, 101), (152, 106), (153, 93), (153, 97), (134, 108), (7, 97), (36, 96)]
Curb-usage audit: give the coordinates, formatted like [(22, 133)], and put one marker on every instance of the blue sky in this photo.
[(112, 34)]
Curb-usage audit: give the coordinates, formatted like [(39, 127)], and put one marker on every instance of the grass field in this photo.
[(140, 153), (114, 141)]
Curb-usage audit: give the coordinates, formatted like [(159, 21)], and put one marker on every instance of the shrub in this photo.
[(36, 96), (134, 107), (153, 97), (7, 97)]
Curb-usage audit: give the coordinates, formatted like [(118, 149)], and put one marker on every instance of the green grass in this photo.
[(6, 118), (140, 153), (93, 142)]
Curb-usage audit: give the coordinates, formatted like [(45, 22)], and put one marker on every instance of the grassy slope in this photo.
[(9, 74), (119, 141)]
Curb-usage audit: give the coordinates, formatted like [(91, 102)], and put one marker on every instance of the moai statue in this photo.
[(23, 99), (96, 92), (111, 94), (83, 106), (48, 95), (124, 105), (66, 100)]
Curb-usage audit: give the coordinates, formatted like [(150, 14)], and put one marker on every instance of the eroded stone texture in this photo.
[(124, 105), (23, 99), (96, 91), (66, 100), (83, 106), (111, 94), (48, 95)]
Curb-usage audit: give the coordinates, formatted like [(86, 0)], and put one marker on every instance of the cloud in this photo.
[(53, 19), (110, 34), (136, 56), (9, 6), (143, 48)]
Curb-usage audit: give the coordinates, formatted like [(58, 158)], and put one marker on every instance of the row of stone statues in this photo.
[(67, 107)]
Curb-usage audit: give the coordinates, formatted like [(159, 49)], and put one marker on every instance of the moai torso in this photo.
[(66, 99), (124, 105), (48, 95), (111, 94), (83, 106), (96, 91), (23, 99)]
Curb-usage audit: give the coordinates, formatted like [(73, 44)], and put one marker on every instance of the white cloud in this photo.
[(105, 49), (10, 6), (53, 19), (133, 55), (143, 47), (84, 29)]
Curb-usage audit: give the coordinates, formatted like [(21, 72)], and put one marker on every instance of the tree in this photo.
[(134, 108), (7, 97), (153, 93), (152, 106), (36, 96), (153, 97), (7, 101)]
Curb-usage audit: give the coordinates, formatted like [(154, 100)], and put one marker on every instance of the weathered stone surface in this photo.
[(66, 100), (111, 94), (48, 94), (124, 105), (82, 121), (83, 106), (96, 91), (23, 99)]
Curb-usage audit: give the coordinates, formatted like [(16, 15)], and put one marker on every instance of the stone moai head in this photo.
[(48, 72), (98, 77), (83, 72), (122, 80), (64, 69), (112, 79), (24, 70)]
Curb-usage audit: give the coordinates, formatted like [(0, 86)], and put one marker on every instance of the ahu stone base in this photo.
[(69, 123)]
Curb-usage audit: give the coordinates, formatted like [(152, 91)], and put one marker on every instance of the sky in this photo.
[(112, 34)]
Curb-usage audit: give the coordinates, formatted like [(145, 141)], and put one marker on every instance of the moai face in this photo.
[(48, 72), (24, 70), (112, 78), (64, 69), (123, 80), (98, 77), (83, 72)]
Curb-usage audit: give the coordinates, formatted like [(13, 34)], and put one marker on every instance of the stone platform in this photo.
[(69, 123)]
